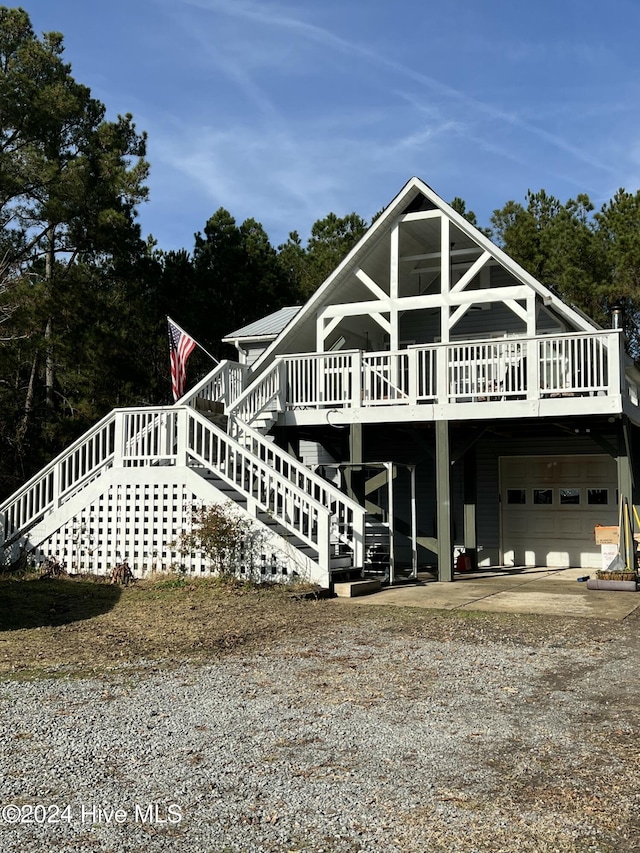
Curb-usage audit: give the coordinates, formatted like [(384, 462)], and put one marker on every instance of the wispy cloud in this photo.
[(277, 16), (301, 119)]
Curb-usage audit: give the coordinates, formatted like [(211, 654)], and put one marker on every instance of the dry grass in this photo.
[(82, 625)]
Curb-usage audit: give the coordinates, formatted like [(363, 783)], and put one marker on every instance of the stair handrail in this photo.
[(271, 491), (253, 457), (347, 512), (47, 494), (218, 382), (241, 408), (241, 413)]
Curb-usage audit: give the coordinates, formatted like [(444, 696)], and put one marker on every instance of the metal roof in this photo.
[(269, 326)]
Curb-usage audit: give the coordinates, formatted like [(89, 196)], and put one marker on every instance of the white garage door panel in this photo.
[(555, 534), (569, 526)]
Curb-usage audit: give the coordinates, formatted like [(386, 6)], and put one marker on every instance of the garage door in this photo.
[(550, 505)]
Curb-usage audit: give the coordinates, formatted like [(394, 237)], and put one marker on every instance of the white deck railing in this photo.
[(347, 516), (69, 472), (265, 475), (577, 364), (223, 385)]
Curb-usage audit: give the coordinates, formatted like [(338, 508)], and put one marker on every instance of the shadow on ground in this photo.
[(36, 603)]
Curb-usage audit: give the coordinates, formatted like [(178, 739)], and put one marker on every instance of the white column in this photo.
[(445, 277)]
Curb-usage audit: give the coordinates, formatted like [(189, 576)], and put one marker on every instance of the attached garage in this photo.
[(550, 505)]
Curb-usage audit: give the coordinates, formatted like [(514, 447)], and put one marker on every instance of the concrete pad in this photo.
[(617, 605), (534, 591), (440, 596)]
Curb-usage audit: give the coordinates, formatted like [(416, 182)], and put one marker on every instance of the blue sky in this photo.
[(285, 111)]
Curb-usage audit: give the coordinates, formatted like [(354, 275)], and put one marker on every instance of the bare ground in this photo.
[(567, 796)]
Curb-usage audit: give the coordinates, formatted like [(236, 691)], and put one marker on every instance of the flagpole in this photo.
[(193, 339)]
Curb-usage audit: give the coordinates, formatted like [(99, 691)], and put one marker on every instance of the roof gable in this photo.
[(419, 253)]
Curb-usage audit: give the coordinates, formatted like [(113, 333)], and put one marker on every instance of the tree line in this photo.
[(84, 295)]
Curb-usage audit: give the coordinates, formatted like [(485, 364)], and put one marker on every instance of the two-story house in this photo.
[(431, 395)]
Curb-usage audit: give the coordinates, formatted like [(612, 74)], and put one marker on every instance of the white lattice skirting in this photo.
[(138, 515)]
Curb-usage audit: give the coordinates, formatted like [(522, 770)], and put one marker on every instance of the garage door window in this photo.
[(569, 496), (543, 496), (516, 496), (598, 497)]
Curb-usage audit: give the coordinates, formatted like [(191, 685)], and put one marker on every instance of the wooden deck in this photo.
[(542, 376)]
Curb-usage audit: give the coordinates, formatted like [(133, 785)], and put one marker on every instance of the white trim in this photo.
[(471, 273), (383, 224), (370, 283)]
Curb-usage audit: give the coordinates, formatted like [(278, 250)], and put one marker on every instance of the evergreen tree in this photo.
[(69, 185)]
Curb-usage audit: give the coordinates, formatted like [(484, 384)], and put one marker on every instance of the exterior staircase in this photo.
[(127, 489)]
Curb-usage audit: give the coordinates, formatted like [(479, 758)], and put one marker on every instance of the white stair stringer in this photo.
[(92, 531), (56, 518)]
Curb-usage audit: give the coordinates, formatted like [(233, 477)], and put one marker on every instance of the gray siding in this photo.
[(255, 351), (421, 327), (496, 319)]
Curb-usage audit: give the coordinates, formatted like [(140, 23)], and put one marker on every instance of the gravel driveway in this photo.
[(357, 742)]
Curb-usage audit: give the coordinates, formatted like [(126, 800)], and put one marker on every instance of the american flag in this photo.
[(180, 348)]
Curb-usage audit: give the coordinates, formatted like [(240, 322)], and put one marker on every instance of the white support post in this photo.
[(324, 541), (533, 369), (394, 335), (445, 278), (356, 380), (445, 255), (442, 374), (615, 362), (394, 338), (320, 333), (55, 484), (282, 386), (118, 439), (390, 521), (414, 524), (182, 426), (412, 376), (531, 316), (393, 268), (359, 533)]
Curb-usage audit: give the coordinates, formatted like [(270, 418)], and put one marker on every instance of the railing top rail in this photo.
[(224, 366), (257, 461), (59, 458), (599, 333), (316, 479), (469, 342), (147, 410)]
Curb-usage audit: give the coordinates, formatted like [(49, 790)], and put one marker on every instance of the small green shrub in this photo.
[(222, 535)]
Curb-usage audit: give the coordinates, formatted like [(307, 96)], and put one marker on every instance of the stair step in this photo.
[(350, 589), (343, 562)]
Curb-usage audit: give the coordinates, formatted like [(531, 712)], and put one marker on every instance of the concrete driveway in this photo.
[(513, 590)]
